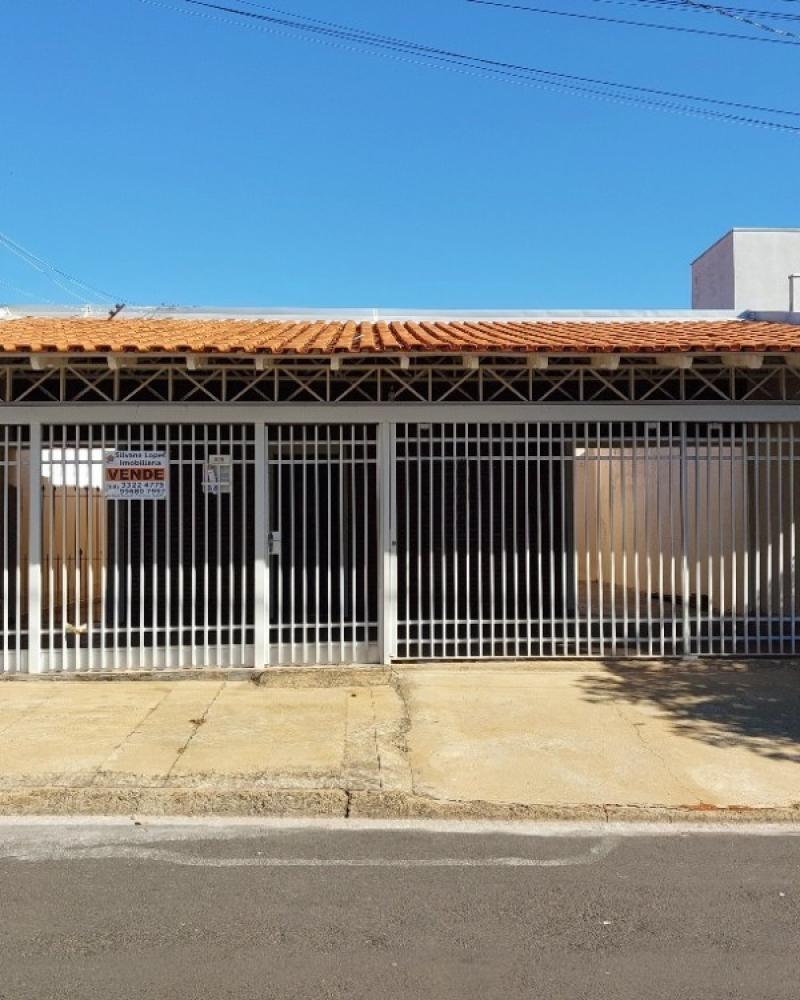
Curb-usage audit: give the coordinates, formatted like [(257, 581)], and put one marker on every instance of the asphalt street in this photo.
[(250, 911)]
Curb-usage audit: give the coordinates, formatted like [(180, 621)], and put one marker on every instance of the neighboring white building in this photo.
[(243, 489), (749, 269)]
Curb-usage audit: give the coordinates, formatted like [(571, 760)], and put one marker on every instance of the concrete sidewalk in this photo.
[(548, 741)]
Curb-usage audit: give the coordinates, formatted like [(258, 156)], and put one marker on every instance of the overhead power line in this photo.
[(651, 25), (356, 40), (741, 18), (23, 291), (685, 6), (53, 273)]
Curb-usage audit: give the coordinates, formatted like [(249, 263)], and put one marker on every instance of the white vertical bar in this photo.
[(712, 550), (193, 531), (526, 466), (660, 536), (156, 553), (46, 484), (576, 612), (709, 548), (624, 457), (746, 521), (276, 521), (355, 513), (65, 659), (35, 664), (218, 501), (781, 567), (515, 587), (237, 457), (684, 502), (492, 564), (635, 481), (169, 649), (387, 588), (318, 515), (587, 554), (539, 537), (181, 556), (504, 618), (793, 554), (90, 528), (447, 440), (291, 471), (262, 569), (370, 445), (304, 542), (646, 477), (757, 529), (434, 437), (478, 430), (18, 575), (331, 526), (722, 563), (673, 577), (245, 532), (103, 555), (5, 499), (600, 467), (342, 547), (77, 578), (793, 550), (770, 551), (614, 445), (734, 599), (455, 554), (119, 614), (566, 536), (551, 532), (142, 563)]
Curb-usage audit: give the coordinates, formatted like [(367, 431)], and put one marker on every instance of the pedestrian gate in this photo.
[(338, 542)]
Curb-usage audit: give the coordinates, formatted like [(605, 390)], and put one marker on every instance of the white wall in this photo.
[(747, 269), (713, 285)]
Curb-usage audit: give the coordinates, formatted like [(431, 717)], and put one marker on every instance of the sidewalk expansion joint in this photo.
[(396, 683), (196, 724)]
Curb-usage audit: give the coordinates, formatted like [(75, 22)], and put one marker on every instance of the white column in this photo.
[(35, 665), (260, 549), (387, 578)]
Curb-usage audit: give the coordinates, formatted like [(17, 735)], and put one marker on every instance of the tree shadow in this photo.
[(722, 703)]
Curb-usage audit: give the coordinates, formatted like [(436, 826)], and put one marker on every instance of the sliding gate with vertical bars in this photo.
[(322, 556), (146, 583), (341, 542), (596, 539)]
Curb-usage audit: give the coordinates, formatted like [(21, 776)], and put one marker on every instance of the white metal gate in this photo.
[(315, 542), (14, 515), (141, 583), (596, 539), (322, 560)]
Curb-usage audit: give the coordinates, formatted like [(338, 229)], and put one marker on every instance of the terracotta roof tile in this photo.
[(297, 337)]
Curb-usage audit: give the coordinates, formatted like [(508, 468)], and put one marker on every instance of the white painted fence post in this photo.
[(35, 552), (387, 576), (261, 654)]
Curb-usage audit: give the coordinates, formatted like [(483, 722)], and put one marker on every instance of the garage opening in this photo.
[(596, 539)]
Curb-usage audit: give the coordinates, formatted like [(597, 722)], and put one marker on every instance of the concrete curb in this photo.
[(339, 803)]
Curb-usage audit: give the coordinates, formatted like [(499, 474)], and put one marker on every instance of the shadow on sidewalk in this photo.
[(755, 706)]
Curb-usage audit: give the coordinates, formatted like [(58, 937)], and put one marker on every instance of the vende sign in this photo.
[(135, 475)]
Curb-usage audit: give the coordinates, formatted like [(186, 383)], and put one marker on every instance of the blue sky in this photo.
[(173, 159)]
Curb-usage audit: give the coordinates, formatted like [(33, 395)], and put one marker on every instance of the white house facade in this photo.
[(242, 489)]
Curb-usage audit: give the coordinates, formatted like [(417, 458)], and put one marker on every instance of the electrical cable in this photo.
[(651, 25), (49, 270), (752, 22), (337, 35)]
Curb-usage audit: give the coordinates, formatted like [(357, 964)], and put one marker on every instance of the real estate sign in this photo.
[(135, 475)]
